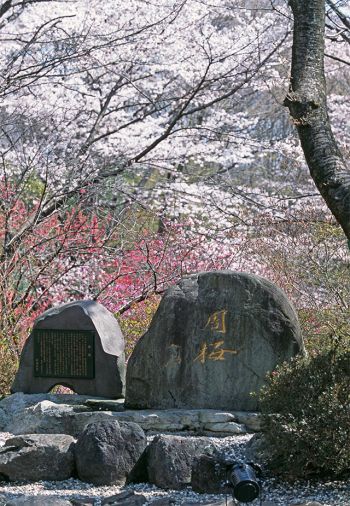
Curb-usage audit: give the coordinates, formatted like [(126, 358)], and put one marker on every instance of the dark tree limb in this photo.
[(341, 16), (307, 104)]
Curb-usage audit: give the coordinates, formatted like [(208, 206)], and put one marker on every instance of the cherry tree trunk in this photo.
[(307, 104)]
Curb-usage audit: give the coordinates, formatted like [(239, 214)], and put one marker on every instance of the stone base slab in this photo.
[(44, 413)]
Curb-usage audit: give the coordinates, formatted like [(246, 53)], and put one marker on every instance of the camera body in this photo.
[(242, 477)]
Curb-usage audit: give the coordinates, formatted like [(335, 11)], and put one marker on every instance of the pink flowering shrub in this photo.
[(73, 254)]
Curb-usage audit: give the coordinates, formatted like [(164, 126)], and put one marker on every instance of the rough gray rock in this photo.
[(16, 403), (107, 451), (4, 420), (108, 378), (257, 449), (47, 417), (164, 501), (139, 473), (86, 501), (126, 498), (309, 503), (170, 459), (251, 420), (210, 344), (210, 475), (225, 501), (43, 500), (226, 428), (46, 413), (35, 457)]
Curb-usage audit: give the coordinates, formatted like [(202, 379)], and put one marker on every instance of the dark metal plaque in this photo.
[(64, 353)]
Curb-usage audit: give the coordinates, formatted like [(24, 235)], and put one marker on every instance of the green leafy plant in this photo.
[(8, 367), (135, 322), (306, 414)]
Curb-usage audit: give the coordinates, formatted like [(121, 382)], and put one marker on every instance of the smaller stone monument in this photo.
[(78, 345)]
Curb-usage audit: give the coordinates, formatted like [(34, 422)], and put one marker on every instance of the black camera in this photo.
[(243, 480)]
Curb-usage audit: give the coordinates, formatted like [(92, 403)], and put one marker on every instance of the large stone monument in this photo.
[(79, 345), (212, 341)]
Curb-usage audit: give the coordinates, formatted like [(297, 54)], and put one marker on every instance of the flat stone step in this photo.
[(212, 420), (25, 413)]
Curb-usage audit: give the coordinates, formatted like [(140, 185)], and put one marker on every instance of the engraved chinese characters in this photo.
[(64, 353), (215, 350), (211, 343), (79, 345)]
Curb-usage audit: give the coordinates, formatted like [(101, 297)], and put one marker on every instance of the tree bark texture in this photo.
[(307, 104)]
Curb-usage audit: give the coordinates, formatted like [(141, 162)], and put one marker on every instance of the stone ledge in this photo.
[(24, 413)]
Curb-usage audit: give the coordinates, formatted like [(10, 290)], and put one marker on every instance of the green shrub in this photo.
[(306, 415), (136, 321), (320, 325), (8, 368)]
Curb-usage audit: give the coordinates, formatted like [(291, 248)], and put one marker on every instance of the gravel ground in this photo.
[(274, 492)]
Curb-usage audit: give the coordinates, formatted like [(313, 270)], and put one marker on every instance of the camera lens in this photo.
[(246, 491), (245, 486)]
